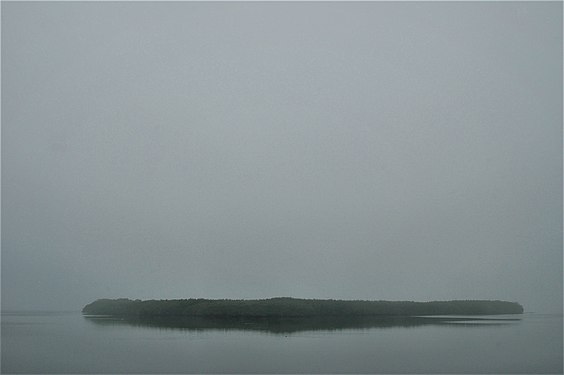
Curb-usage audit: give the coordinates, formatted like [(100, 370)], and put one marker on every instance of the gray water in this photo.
[(42, 342)]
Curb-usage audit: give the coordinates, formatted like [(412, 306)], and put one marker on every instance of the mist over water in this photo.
[(399, 151), (396, 151), (393, 151)]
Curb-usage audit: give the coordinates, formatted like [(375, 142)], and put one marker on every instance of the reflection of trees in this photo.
[(289, 325)]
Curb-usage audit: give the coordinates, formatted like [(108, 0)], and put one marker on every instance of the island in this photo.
[(286, 307)]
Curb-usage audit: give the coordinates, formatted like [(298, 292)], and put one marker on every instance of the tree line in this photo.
[(295, 307)]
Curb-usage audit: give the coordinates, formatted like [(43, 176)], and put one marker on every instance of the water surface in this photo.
[(47, 342)]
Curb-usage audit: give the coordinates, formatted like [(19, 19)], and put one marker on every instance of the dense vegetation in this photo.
[(293, 307)]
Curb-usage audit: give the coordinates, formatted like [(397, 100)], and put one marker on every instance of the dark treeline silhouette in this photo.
[(290, 324), (294, 307)]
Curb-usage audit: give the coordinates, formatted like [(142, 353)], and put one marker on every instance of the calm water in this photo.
[(70, 343)]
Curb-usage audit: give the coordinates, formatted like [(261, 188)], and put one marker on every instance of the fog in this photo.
[(368, 150)]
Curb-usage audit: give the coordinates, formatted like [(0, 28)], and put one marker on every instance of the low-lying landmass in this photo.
[(294, 307)]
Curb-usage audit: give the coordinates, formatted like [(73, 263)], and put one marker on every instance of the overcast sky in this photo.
[(398, 151)]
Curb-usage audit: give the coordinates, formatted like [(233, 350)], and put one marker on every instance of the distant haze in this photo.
[(367, 150)]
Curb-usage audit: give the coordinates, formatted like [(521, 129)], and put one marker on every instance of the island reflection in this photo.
[(295, 324)]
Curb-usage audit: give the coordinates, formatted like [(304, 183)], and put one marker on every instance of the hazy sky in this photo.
[(401, 151)]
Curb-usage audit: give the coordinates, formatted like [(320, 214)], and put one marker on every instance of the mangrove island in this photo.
[(283, 307)]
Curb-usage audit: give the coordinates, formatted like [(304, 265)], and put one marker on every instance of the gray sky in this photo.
[(401, 151)]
